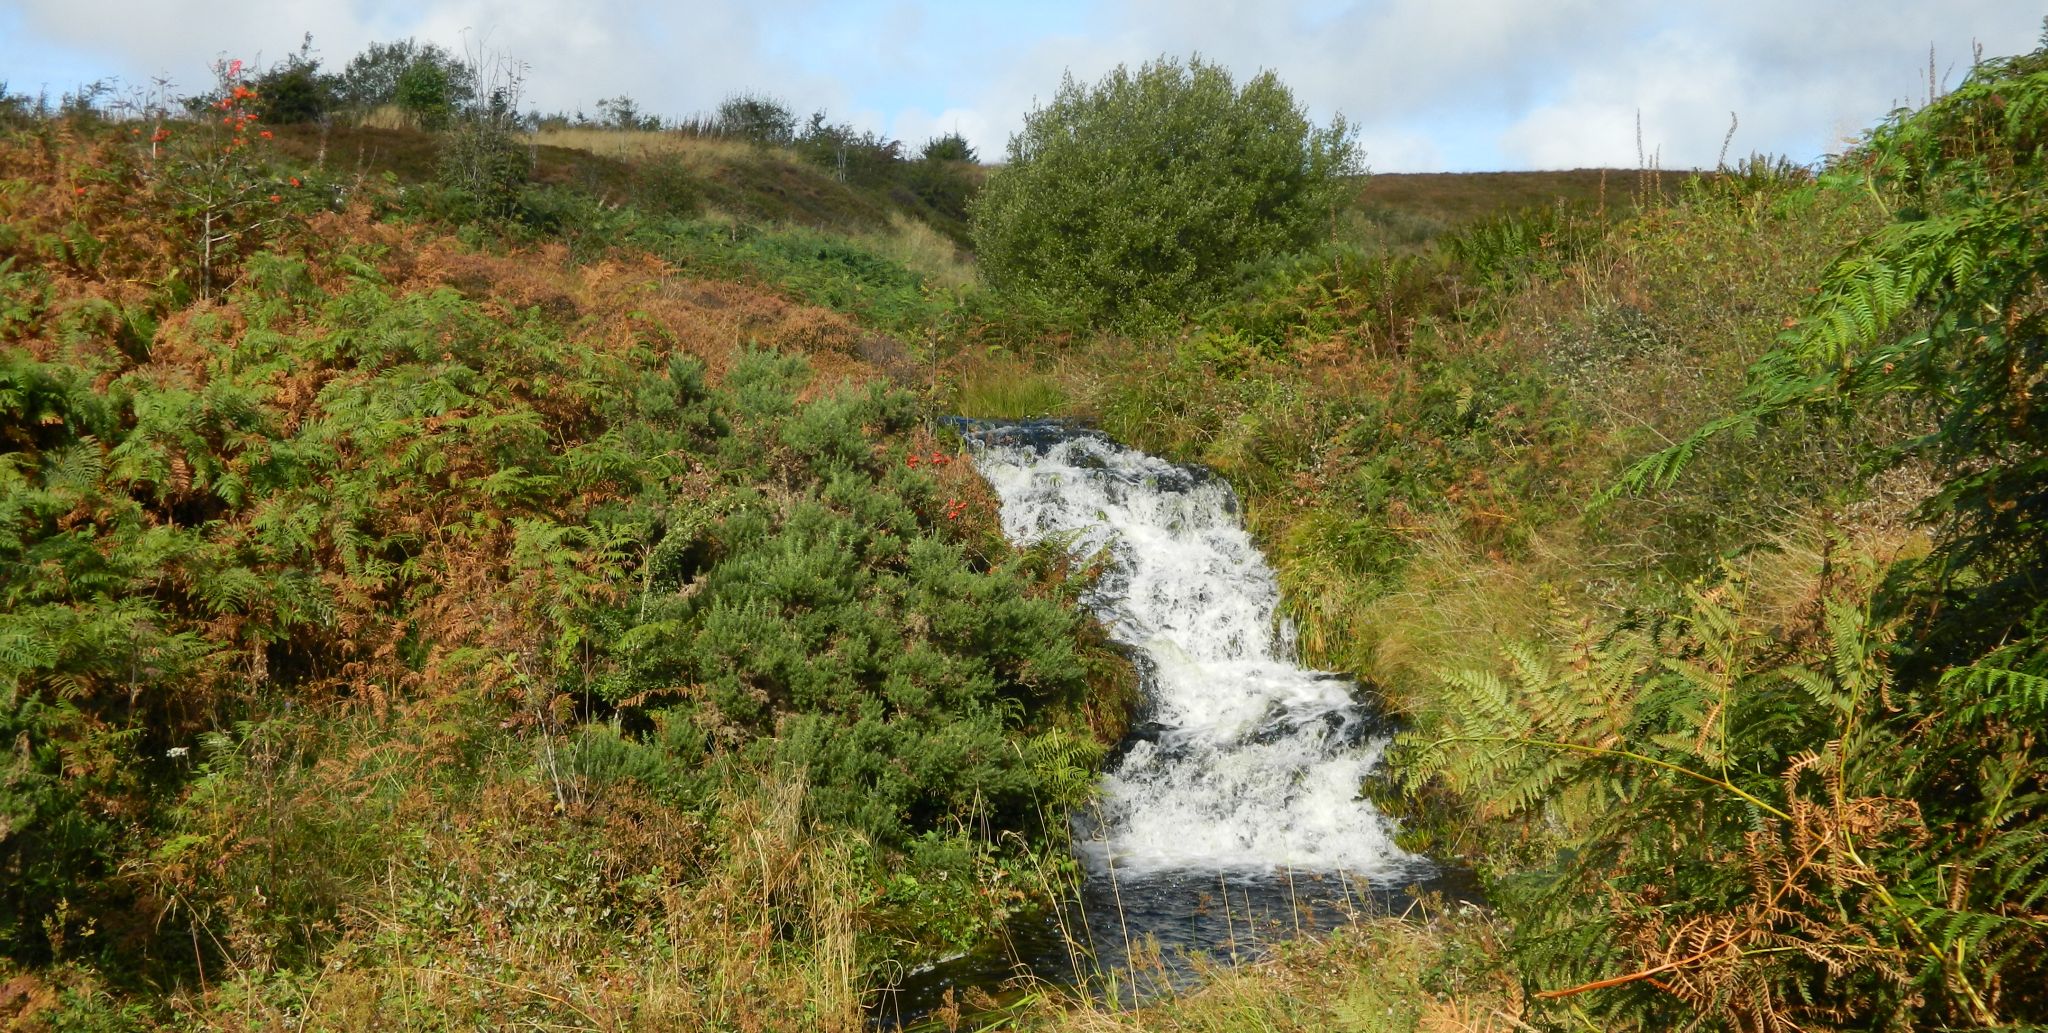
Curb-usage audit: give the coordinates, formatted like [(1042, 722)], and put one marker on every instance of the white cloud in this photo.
[(914, 126), (1394, 150), (1798, 77), (1681, 91), (1482, 83)]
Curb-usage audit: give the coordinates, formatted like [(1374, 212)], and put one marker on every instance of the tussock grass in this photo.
[(1450, 605), (999, 383), (385, 116), (496, 914), (701, 153), (915, 245), (1015, 397)]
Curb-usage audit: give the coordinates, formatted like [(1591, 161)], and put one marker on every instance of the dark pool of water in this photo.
[(1143, 936)]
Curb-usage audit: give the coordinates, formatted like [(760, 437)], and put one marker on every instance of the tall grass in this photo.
[(698, 152), (1424, 971), (385, 116), (1009, 395), (915, 245)]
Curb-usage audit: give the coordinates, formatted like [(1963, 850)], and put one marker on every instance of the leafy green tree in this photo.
[(623, 112), (426, 94), (423, 79), (14, 107), (1138, 196)]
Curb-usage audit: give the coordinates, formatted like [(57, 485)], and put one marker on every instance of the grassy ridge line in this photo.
[(1409, 209), (655, 171)]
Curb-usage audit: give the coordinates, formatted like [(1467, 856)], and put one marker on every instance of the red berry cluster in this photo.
[(235, 111), (955, 507)]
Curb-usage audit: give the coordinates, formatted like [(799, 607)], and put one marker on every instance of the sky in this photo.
[(1432, 85)]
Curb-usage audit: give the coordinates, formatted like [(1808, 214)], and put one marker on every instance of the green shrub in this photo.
[(481, 160), (1335, 291), (950, 147), (1138, 196), (851, 155), (756, 117), (16, 108), (294, 91)]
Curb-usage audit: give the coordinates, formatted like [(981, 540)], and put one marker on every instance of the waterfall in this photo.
[(1243, 761)]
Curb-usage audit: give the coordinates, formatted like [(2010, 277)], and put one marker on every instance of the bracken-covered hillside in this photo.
[(489, 578), (389, 621)]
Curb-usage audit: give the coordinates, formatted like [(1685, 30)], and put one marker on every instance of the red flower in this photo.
[(81, 191), (235, 68), (264, 134), (941, 459), (295, 181), (910, 460), (274, 198)]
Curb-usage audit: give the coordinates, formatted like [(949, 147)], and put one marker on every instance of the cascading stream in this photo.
[(1231, 817), (1244, 762)]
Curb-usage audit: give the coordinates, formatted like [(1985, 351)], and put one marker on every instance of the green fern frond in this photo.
[(2001, 691)]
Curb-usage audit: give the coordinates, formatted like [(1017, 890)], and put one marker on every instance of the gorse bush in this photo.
[(1136, 197), (949, 147), (294, 90)]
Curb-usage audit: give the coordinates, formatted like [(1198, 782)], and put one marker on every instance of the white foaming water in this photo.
[(1244, 760)]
